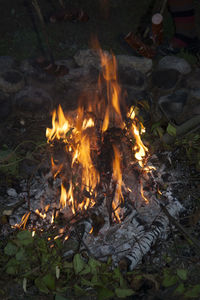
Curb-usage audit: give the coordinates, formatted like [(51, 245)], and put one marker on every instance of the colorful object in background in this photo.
[(157, 28), (139, 46)]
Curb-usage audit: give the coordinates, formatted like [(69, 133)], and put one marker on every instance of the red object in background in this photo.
[(157, 29), (139, 46)]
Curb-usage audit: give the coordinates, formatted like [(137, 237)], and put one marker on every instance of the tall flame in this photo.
[(79, 136)]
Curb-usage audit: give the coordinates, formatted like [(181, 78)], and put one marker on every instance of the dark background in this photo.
[(110, 24)]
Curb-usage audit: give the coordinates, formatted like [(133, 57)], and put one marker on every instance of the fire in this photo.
[(117, 177), (81, 137)]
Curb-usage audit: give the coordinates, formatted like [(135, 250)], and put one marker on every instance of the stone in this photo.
[(176, 63), (133, 78), (141, 64), (133, 96), (165, 79), (32, 99), (6, 106), (88, 58), (172, 105), (78, 75), (12, 193), (69, 63), (26, 67), (6, 62), (11, 81), (195, 93)]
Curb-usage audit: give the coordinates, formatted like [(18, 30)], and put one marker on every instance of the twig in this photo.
[(180, 228), (40, 16)]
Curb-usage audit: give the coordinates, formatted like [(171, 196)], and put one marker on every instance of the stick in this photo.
[(180, 228), (30, 13), (162, 9), (40, 16)]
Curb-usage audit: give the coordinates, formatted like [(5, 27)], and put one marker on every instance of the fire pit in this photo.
[(103, 182)]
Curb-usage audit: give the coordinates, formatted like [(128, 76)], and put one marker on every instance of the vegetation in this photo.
[(39, 261)]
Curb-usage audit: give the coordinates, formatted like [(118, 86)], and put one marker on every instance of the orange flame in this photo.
[(117, 177), (80, 138)]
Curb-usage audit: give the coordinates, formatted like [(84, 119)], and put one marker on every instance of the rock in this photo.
[(32, 99), (27, 68), (133, 78), (176, 63), (12, 193), (69, 63), (172, 105), (165, 79), (79, 76), (192, 82), (6, 106), (195, 93), (6, 62), (141, 64), (89, 58), (133, 96), (11, 81)]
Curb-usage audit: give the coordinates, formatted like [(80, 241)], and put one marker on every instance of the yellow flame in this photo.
[(78, 134), (41, 215)]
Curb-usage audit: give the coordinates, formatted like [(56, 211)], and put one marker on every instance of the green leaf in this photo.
[(94, 265), (122, 293), (86, 270), (169, 279), (21, 255), (118, 276), (12, 266), (104, 293), (78, 263), (59, 297), (9, 161), (78, 290), (86, 282), (25, 237), (171, 130), (10, 249), (180, 289), (68, 265), (49, 281), (41, 285), (194, 292), (182, 274), (96, 281)]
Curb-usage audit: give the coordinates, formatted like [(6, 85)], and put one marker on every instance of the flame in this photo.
[(24, 220), (139, 148), (41, 215), (60, 126), (80, 139), (117, 177)]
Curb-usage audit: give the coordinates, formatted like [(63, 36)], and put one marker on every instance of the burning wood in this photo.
[(96, 156), (102, 175)]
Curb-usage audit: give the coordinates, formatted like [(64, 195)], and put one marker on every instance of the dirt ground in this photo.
[(109, 20)]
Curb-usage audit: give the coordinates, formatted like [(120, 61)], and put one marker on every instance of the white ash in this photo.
[(132, 238)]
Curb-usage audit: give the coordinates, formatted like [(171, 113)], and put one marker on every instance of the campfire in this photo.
[(98, 146), (102, 179)]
